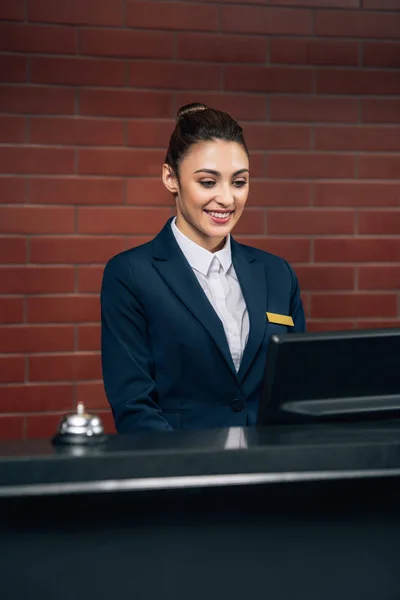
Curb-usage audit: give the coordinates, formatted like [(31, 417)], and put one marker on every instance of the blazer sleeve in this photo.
[(296, 305), (126, 352)]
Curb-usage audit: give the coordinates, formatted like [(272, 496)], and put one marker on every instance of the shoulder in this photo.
[(275, 265), (130, 257), (268, 258)]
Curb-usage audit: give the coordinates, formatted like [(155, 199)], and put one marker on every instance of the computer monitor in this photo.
[(334, 376)]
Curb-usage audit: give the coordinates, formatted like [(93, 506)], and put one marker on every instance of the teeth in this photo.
[(218, 215)]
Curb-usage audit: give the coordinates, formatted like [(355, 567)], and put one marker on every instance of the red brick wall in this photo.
[(88, 92)]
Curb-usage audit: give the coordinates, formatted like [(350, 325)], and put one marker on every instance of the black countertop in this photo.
[(203, 458)]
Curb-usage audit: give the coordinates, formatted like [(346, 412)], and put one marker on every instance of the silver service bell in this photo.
[(80, 428)]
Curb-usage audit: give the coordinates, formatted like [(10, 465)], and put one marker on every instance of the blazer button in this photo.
[(237, 405)]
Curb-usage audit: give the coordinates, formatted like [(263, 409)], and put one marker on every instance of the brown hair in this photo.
[(197, 123)]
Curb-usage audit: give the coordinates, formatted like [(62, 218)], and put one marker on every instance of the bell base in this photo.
[(77, 439)]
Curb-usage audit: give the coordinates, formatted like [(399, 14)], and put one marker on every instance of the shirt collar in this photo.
[(198, 257)]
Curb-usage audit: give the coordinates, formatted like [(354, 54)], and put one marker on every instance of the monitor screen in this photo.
[(340, 375)]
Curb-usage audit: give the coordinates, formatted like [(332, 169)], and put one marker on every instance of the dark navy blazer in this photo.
[(166, 361)]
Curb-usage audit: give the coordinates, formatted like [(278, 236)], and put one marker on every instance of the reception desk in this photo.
[(305, 512)]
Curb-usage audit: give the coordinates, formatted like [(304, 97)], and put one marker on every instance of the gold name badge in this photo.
[(280, 319)]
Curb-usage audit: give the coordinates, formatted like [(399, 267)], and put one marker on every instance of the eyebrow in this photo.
[(217, 173)]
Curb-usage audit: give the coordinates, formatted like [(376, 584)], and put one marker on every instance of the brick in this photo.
[(124, 161), (292, 249), (385, 110), (357, 138), (257, 164), (173, 75), (126, 103), (12, 250), (145, 191), (77, 12), (17, 37), (92, 394), (12, 129), (32, 219), (35, 338), (11, 310), (172, 15), (126, 44), (318, 3), (12, 369), (379, 222), (379, 278), (37, 100), (138, 240), (13, 68), (108, 421), (45, 426), (313, 109), (378, 324), (309, 166), (11, 428), (251, 223), (379, 166), (357, 250), (42, 426), (353, 305), (382, 4), (279, 193), (89, 278), (36, 398), (313, 277), (66, 367), (12, 11), (247, 107), (331, 325), (36, 280), (278, 137), (36, 160), (76, 190), (12, 190), (268, 79), (270, 21), (310, 221), (356, 23), (89, 337), (74, 249), (313, 52), (77, 71), (221, 48), (63, 309), (356, 193), (76, 131), (381, 54), (151, 133), (357, 81), (126, 220)]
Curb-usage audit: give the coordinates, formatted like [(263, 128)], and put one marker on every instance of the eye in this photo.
[(239, 182), (207, 183)]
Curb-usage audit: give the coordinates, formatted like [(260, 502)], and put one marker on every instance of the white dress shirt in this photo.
[(217, 277)]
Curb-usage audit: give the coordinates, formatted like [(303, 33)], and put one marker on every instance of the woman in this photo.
[(187, 317)]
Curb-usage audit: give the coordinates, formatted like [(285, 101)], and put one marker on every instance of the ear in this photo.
[(169, 179)]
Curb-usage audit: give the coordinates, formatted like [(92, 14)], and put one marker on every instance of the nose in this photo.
[(225, 197)]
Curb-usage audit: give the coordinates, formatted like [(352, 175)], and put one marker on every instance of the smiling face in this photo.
[(211, 192)]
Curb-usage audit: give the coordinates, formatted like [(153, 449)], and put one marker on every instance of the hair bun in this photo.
[(189, 109)]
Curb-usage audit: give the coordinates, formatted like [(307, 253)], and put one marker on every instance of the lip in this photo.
[(208, 210), (222, 221)]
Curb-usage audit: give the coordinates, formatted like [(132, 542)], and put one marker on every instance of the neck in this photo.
[(212, 244)]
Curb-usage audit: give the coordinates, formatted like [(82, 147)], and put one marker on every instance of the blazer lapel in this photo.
[(178, 275), (252, 279)]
